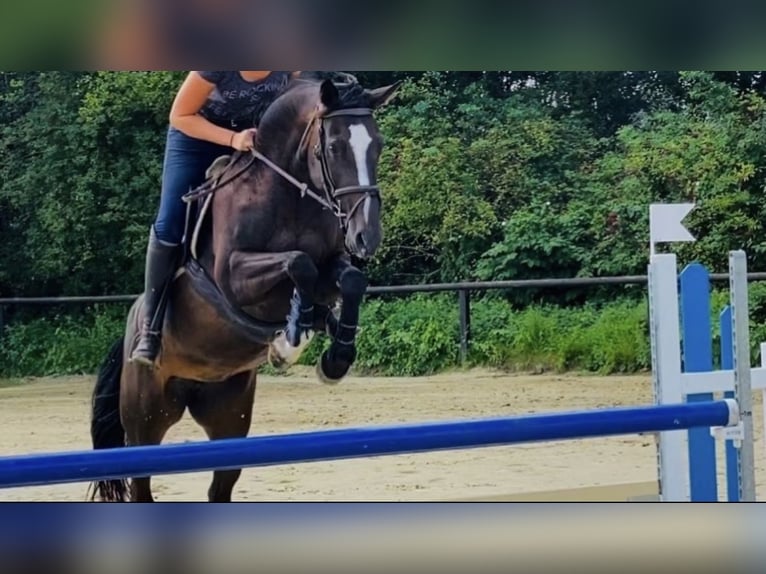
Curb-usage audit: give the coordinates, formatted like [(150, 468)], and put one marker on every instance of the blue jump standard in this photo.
[(86, 466)]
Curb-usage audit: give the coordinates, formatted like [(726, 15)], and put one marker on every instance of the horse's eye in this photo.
[(333, 147)]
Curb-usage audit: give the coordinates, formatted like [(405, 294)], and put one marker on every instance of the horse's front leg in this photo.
[(336, 361), (254, 275)]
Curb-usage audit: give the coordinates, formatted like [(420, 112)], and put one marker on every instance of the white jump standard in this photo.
[(684, 458)]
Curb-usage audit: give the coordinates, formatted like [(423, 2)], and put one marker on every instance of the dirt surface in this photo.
[(51, 415)]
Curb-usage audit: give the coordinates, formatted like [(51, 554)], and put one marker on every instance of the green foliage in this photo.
[(709, 152), (411, 336), (610, 339), (617, 341), (61, 344), (435, 219), (82, 179), (485, 175), (535, 239), (408, 337), (403, 337)]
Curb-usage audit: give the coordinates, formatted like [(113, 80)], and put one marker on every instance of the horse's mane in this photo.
[(294, 107), (351, 92), (299, 96)]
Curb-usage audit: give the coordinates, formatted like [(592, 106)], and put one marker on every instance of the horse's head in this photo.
[(343, 159)]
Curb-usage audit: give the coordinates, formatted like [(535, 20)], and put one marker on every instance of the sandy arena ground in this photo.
[(52, 415)]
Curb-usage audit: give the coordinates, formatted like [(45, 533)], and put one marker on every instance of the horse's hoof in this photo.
[(331, 372), (323, 377), (275, 359), (282, 354)]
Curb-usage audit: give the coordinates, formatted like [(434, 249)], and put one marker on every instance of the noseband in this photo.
[(333, 193)]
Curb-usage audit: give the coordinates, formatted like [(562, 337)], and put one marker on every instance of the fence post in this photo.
[(464, 301)]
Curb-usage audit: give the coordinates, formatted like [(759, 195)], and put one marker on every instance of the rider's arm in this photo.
[(184, 114)]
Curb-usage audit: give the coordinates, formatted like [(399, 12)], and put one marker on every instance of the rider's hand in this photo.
[(244, 140)]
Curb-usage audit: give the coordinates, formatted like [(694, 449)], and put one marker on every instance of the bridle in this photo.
[(333, 193), (330, 198)]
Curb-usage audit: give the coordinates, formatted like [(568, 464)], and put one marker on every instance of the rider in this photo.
[(213, 112)]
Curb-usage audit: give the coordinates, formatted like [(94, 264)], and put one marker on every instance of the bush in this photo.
[(617, 341), (60, 345), (411, 336), (610, 339)]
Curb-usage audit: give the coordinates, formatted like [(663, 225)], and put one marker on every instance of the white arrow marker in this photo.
[(666, 223)]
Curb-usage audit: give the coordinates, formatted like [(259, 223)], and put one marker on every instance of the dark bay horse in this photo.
[(268, 267)]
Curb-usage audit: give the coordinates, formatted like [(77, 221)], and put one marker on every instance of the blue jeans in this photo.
[(186, 160)]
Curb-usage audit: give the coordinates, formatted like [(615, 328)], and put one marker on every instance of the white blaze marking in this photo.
[(360, 141)]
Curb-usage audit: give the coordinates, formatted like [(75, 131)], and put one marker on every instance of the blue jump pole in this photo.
[(85, 466)]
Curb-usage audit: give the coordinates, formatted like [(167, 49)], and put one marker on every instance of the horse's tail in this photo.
[(105, 426)]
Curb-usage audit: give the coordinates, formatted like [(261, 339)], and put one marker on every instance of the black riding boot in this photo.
[(160, 267)]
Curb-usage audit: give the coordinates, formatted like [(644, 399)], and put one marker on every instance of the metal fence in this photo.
[(463, 290)]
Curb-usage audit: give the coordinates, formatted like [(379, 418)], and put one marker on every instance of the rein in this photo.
[(331, 193)]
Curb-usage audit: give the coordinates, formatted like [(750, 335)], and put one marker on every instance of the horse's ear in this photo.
[(329, 95), (381, 96)]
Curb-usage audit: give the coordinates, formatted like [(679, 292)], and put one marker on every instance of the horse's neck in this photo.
[(291, 155), (289, 151)]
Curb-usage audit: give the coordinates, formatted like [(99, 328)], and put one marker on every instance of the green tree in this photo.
[(710, 152), (82, 179)]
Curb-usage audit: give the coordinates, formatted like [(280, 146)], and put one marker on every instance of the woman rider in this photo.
[(213, 112)]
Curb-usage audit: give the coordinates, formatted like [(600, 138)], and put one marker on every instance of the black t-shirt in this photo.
[(236, 101)]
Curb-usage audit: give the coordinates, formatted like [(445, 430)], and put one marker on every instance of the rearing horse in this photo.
[(268, 261)]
